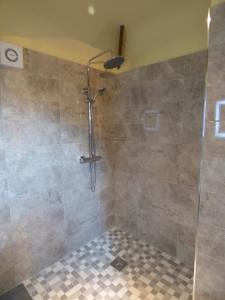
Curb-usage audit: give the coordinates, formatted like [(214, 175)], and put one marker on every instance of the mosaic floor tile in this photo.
[(87, 273)]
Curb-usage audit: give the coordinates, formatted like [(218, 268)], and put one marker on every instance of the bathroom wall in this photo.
[(147, 124), (181, 30), (210, 254), (46, 207), (159, 119)]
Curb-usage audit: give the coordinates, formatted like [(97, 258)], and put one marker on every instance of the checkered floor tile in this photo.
[(87, 274)]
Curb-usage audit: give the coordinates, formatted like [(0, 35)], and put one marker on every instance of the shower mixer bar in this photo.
[(113, 62)]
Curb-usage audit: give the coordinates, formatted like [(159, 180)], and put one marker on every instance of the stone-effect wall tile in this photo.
[(210, 258), (41, 64), (215, 64), (157, 228), (196, 65), (189, 164), (192, 113), (217, 35), (213, 175), (85, 233), (34, 171), (212, 208), (7, 279), (157, 170), (211, 240), (7, 257), (169, 70), (185, 244), (4, 211), (46, 207), (71, 72), (210, 278), (213, 145), (51, 209), (216, 75)]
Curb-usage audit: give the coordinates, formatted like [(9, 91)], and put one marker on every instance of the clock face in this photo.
[(11, 55)]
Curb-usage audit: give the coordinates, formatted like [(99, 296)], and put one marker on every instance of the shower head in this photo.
[(114, 62), (111, 63)]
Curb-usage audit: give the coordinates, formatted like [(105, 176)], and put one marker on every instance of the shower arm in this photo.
[(99, 55), (92, 61)]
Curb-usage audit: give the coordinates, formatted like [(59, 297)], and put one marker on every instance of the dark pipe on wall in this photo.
[(121, 40)]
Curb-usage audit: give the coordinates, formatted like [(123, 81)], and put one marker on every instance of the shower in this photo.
[(111, 63)]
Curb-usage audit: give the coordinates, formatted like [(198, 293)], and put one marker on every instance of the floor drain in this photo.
[(119, 264)]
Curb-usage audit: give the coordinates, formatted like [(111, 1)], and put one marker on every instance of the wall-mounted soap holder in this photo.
[(150, 120)]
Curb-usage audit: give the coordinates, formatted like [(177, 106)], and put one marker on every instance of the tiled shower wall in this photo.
[(210, 257), (46, 207), (159, 117), (148, 129)]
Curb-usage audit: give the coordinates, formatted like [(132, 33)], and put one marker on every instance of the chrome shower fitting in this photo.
[(84, 91), (84, 159), (113, 62), (99, 93), (92, 158)]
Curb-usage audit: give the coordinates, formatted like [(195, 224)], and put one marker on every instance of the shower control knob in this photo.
[(84, 159)]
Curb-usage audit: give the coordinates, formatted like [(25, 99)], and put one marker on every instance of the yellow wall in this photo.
[(67, 48), (215, 2), (155, 29)]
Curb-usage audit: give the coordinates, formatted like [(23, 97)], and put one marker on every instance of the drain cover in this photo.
[(119, 264)]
